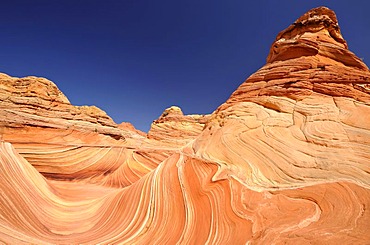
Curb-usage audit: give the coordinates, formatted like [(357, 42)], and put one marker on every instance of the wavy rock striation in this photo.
[(285, 160), (69, 142)]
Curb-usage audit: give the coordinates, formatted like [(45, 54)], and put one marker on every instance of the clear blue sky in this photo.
[(134, 58)]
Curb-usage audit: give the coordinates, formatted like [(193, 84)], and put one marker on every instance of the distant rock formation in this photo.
[(174, 128), (60, 140), (129, 127), (38, 103), (285, 160)]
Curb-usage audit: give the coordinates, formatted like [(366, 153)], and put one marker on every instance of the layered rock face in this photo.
[(69, 142), (308, 107), (285, 160), (174, 128), (37, 102), (293, 130)]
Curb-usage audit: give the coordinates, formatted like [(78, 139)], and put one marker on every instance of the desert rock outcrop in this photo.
[(175, 128), (69, 142), (285, 160)]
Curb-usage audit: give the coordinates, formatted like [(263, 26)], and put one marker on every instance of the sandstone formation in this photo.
[(128, 126), (175, 128), (69, 142), (37, 102), (285, 160)]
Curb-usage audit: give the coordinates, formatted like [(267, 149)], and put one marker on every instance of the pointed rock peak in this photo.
[(172, 111), (309, 57), (128, 126), (316, 33), (321, 19)]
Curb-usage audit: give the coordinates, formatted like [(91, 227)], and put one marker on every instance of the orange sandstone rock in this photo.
[(285, 160), (175, 128), (68, 142), (128, 126)]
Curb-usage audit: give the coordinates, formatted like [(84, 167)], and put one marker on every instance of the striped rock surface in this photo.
[(175, 128), (285, 160)]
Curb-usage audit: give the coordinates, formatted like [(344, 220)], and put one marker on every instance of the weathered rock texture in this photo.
[(37, 102), (69, 142), (175, 128), (285, 160)]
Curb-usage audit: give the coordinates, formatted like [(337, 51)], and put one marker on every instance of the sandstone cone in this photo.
[(174, 128), (285, 160)]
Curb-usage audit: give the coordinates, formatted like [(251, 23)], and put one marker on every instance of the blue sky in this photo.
[(134, 58)]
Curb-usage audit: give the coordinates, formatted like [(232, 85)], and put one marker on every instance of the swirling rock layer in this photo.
[(285, 160)]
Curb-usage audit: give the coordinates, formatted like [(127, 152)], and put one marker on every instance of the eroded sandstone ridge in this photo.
[(175, 128), (285, 160)]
